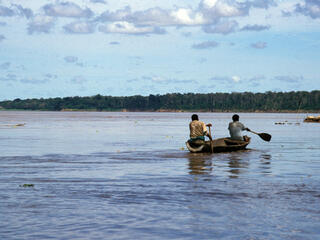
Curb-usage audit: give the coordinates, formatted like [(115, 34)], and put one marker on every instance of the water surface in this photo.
[(128, 176)]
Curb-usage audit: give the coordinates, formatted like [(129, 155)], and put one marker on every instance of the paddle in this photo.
[(211, 144), (263, 136)]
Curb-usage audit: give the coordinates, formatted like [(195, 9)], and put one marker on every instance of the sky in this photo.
[(53, 48)]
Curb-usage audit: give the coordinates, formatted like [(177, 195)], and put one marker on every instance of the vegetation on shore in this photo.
[(212, 102)]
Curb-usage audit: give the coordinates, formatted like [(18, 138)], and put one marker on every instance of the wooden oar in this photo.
[(263, 136), (211, 144)]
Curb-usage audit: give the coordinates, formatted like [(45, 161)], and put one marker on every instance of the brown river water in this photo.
[(102, 175)]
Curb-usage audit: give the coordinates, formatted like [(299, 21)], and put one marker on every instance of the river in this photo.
[(103, 175)]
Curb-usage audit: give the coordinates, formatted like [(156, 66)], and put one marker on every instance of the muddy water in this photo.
[(128, 175)]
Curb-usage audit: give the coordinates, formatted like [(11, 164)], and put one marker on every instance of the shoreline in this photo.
[(166, 111)]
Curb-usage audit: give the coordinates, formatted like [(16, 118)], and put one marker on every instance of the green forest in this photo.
[(211, 102)]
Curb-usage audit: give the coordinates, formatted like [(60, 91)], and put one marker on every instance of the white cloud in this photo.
[(224, 27), (98, 1), (6, 12), (259, 45), (24, 12), (184, 16), (80, 27), (129, 28), (205, 45), (255, 27), (310, 8), (67, 9), (235, 79), (41, 24)]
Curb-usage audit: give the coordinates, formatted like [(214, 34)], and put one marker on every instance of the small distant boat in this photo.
[(312, 119), (218, 145)]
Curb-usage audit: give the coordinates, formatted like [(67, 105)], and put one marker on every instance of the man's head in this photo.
[(235, 117), (194, 117)]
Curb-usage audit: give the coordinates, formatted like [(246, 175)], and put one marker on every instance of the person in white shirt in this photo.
[(236, 128)]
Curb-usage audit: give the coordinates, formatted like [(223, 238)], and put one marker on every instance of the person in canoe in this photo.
[(198, 130), (236, 128)]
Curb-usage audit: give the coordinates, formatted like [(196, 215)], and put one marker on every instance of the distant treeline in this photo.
[(246, 101)]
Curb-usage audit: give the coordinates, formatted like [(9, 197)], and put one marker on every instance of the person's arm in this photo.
[(244, 128), (207, 133)]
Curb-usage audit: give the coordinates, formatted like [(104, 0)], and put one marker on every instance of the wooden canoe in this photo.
[(219, 145)]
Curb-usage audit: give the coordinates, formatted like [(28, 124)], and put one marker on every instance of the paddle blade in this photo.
[(265, 136)]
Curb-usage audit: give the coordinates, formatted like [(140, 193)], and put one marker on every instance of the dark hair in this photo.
[(194, 117), (235, 117)]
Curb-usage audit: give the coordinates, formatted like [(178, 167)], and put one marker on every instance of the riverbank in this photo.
[(170, 110)]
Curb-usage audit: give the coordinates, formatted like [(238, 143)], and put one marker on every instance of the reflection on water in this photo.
[(237, 164), (265, 163), (200, 163)]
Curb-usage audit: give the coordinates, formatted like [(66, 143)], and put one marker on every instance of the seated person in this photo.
[(236, 128), (198, 130)]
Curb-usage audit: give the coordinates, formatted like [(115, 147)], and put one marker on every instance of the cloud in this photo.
[(67, 9), (163, 80), (209, 12), (224, 27), (263, 3), (259, 45), (2, 37), (50, 76), (132, 80), (215, 9), (6, 12), (80, 28), (5, 65), (185, 16), (205, 45), (310, 8), (255, 28), (285, 13), (130, 28), (226, 79), (98, 1), (9, 77), (235, 79), (41, 24), (29, 80), (71, 59), (78, 79), (257, 78), (24, 12), (289, 79), (153, 16)]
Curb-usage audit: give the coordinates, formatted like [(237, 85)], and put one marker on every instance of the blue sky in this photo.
[(55, 48)]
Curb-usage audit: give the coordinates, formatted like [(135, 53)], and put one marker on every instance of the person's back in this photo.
[(236, 128), (198, 129)]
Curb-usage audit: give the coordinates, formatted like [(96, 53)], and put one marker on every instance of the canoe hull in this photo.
[(219, 145)]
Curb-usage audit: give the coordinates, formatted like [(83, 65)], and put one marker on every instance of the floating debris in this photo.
[(312, 119), (286, 122), (27, 185)]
